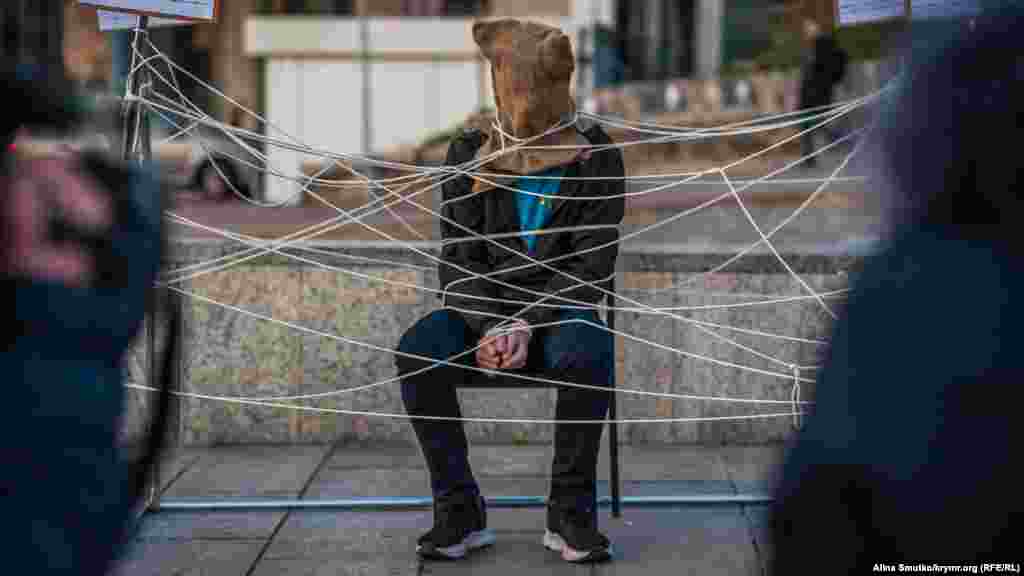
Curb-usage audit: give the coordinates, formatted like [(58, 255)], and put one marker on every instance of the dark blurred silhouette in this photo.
[(823, 68), (218, 179), (81, 246), (910, 453)]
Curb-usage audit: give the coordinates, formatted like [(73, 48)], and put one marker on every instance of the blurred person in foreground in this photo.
[(532, 68), (66, 491), (910, 453)]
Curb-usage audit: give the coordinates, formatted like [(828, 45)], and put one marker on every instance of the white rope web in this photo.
[(189, 120)]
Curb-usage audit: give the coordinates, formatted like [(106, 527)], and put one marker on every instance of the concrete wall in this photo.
[(231, 354)]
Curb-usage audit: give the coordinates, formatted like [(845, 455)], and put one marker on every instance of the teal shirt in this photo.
[(535, 211)]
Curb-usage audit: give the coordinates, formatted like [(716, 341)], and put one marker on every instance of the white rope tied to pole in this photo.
[(795, 398)]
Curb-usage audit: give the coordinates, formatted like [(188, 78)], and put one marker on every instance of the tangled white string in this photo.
[(389, 193)]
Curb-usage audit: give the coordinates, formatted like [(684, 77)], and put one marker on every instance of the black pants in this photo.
[(573, 352), (817, 97)]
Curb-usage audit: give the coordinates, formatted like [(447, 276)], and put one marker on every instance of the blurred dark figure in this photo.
[(609, 69), (217, 179), (823, 68), (79, 254), (911, 453)]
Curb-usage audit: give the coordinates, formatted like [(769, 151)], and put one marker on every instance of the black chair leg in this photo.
[(613, 431), (613, 460)]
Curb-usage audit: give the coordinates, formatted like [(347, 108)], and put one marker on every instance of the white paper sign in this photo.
[(852, 12), (188, 9), (929, 9), (126, 21)]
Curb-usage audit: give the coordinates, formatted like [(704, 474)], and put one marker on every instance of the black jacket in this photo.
[(824, 68), (494, 212)]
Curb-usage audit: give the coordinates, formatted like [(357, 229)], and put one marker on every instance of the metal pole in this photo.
[(426, 503), (367, 108), (136, 147)]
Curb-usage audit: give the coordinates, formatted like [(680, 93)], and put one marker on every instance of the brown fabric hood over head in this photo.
[(532, 66)]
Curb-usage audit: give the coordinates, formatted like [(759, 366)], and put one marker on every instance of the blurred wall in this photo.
[(231, 70), (329, 85)]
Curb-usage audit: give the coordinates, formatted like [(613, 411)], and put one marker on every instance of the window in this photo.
[(315, 7), (428, 8), (465, 7)]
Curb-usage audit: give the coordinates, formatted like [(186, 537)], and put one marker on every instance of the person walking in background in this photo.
[(823, 68), (609, 69), (911, 453)]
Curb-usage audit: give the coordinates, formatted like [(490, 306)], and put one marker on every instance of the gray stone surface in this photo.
[(189, 558), (370, 312), (347, 483), (253, 471), (758, 518), (652, 462), (645, 367), (345, 543), (232, 354), (378, 456), (708, 540), (715, 539), (229, 354), (753, 468), (249, 525), (659, 462), (693, 540), (249, 471), (175, 463)]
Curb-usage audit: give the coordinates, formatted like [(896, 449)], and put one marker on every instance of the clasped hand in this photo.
[(504, 351)]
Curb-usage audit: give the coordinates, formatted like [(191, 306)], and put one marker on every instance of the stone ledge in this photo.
[(231, 354), (817, 258)]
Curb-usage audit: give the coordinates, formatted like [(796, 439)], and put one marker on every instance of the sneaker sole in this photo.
[(556, 543), (473, 541)]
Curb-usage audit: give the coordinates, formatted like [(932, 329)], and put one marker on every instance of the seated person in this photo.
[(532, 68)]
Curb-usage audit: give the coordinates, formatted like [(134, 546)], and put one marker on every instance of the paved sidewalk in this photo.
[(699, 539)]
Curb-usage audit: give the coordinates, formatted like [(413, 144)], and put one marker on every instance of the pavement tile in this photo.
[(752, 468), (503, 461), (343, 483), (346, 543), (174, 462), (351, 482), (249, 471), (647, 463), (706, 540), (375, 457), (252, 525), (724, 539), (188, 558), (757, 519), (665, 463)]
